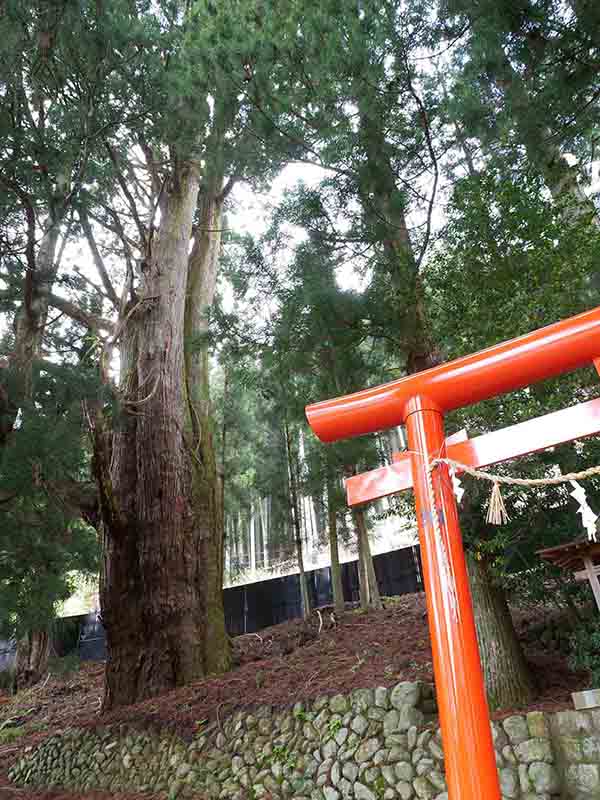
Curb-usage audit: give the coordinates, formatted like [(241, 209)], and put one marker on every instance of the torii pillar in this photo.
[(420, 402)]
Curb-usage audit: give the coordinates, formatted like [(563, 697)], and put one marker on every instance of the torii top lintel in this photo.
[(544, 353)]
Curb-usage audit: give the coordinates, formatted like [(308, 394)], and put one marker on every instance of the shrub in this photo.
[(585, 654), (10, 735), (64, 666), (7, 680)]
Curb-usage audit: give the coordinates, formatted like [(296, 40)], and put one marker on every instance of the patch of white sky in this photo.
[(251, 213)]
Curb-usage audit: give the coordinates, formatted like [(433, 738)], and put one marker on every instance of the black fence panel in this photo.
[(92, 639), (319, 587), (8, 652), (273, 601), (259, 605), (67, 633), (234, 604), (397, 572), (350, 582)]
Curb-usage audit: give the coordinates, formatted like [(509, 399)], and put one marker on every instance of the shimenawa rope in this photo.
[(497, 514)]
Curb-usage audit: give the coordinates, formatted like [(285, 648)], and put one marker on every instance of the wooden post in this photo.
[(592, 578)]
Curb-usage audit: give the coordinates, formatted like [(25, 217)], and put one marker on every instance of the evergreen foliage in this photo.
[(456, 145), (44, 481)]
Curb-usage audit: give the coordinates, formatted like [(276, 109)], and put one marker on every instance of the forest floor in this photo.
[(277, 666)]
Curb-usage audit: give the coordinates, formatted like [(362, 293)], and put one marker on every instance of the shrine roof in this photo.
[(571, 554)]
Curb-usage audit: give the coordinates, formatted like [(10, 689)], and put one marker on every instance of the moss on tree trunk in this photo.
[(162, 595)]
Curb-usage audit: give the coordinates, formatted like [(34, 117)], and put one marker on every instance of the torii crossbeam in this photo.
[(419, 402)]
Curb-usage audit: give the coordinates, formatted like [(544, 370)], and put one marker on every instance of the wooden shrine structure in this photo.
[(577, 556)]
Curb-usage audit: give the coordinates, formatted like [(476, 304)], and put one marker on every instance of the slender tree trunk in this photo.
[(263, 528), (363, 578), (30, 321), (508, 680), (33, 651), (337, 586), (371, 575), (226, 543), (202, 279), (383, 208), (30, 324), (294, 507), (372, 588)]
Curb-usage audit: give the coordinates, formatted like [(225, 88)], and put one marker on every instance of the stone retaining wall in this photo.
[(375, 744)]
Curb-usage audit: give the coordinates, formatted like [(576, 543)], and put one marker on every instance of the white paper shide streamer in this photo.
[(588, 518), (456, 485)]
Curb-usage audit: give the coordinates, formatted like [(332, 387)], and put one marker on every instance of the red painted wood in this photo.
[(549, 351), (471, 770), (575, 422), (380, 482)]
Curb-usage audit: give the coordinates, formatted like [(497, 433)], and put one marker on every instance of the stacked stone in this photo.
[(525, 758), (373, 744), (576, 738)]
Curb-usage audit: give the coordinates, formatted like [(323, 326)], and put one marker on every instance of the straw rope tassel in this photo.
[(497, 513)]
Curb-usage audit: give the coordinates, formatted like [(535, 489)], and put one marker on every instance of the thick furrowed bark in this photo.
[(158, 525)]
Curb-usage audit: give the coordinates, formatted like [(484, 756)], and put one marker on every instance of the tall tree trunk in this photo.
[(222, 478), (263, 529), (201, 286), (30, 321), (162, 602), (295, 511), (383, 208), (337, 586), (508, 679)]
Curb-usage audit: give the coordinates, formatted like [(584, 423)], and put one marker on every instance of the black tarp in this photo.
[(8, 651), (259, 605), (92, 639)]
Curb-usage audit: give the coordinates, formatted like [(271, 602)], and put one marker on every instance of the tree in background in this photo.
[(54, 64), (525, 80), (44, 486), (314, 346)]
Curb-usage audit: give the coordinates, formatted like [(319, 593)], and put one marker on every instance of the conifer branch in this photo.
[(98, 260), (128, 196), (92, 321)]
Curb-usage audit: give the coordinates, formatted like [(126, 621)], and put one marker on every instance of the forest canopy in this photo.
[(215, 213)]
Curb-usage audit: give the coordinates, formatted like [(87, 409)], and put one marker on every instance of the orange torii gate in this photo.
[(419, 402)]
